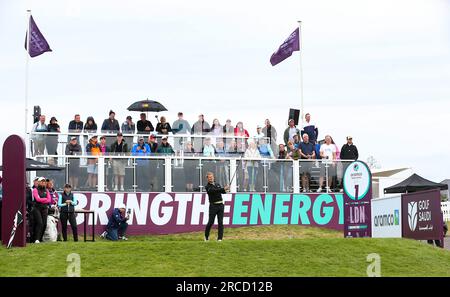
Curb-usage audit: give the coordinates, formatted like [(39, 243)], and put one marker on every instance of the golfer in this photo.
[(216, 206)]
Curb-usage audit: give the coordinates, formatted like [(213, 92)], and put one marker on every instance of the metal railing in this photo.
[(175, 173)]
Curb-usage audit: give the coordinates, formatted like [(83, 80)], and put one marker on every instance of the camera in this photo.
[(129, 211)]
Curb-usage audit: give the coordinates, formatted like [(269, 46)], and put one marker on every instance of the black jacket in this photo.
[(215, 192), (110, 126), (141, 125), (349, 152)]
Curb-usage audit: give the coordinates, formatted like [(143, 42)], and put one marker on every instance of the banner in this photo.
[(387, 217), (167, 213), (38, 45), (422, 217), (286, 49), (357, 182)]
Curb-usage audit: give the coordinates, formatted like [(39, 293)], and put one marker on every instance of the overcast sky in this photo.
[(376, 70)]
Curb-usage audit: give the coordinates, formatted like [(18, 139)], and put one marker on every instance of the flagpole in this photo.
[(27, 70), (302, 112)]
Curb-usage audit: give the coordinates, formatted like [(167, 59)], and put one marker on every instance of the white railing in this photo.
[(169, 172)]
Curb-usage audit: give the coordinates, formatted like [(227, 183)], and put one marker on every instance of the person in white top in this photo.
[(328, 155), (39, 139), (252, 152)]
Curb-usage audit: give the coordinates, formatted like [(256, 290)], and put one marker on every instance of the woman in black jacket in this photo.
[(67, 203)]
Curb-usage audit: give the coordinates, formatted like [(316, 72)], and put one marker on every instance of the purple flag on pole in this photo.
[(38, 44), (286, 49)]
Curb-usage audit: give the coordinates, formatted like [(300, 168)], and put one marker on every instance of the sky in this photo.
[(376, 70)]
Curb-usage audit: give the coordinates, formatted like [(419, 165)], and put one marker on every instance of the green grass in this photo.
[(249, 251)]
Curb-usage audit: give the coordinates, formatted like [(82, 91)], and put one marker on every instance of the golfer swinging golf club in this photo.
[(216, 206)]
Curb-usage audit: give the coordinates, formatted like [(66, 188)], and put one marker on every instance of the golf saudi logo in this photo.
[(357, 180), (412, 215)]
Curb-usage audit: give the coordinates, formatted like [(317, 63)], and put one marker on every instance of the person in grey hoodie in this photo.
[(180, 126)]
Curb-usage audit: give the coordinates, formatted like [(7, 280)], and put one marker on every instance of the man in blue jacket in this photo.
[(143, 165), (117, 224)]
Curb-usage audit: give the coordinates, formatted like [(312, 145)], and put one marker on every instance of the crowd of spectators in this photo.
[(198, 139)]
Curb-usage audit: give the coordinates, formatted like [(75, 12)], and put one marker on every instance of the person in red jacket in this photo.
[(41, 198), (240, 131)]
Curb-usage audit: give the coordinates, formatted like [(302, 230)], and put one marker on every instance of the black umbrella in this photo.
[(146, 106), (33, 165)]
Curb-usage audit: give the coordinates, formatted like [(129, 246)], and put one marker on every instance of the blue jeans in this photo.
[(114, 233)]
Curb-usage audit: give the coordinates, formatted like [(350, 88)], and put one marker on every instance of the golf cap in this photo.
[(119, 134), (73, 138), (164, 137), (42, 179), (36, 178), (349, 137), (153, 136), (141, 137), (122, 206), (258, 127)]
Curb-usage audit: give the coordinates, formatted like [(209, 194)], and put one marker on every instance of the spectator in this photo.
[(201, 127), (90, 126), (265, 150), (216, 131), (119, 148), (243, 136), (142, 168), (307, 152), (282, 155), (128, 127), (337, 178), (231, 149), (310, 129), (208, 149), (93, 149), (165, 148), (228, 131), (75, 126), (293, 153), (110, 125), (259, 135), (163, 127), (73, 148), (188, 149), (152, 143), (297, 141), (270, 132), (39, 213), (328, 155), (144, 126), (117, 224), (252, 165), (53, 194), (349, 151), (39, 139), (290, 132), (67, 202), (220, 148), (52, 140), (180, 126)]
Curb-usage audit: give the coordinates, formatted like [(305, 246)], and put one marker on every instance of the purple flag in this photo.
[(285, 50), (38, 44)]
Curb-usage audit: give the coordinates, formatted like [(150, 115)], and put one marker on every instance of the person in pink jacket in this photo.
[(39, 212)]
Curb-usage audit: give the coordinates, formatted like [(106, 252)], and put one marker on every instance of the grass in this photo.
[(248, 251)]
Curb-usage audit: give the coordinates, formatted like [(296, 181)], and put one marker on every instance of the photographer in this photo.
[(117, 224)]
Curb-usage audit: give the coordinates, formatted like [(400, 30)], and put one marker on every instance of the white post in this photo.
[(233, 168), (302, 112), (296, 176), (101, 174), (168, 176), (27, 60)]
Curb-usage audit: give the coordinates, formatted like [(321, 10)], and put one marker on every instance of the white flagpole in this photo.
[(26, 70), (302, 112)]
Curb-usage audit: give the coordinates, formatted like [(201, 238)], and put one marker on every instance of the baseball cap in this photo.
[(41, 179), (73, 138), (141, 138), (164, 137), (258, 127), (349, 137), (119, 134), (153, 136)]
